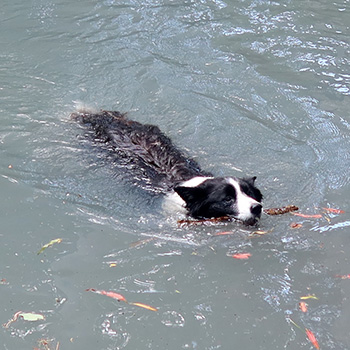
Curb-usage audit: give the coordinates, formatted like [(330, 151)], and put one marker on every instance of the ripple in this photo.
[(173, 319), (112, 326)]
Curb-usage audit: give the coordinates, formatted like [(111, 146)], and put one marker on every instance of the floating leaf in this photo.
[(309, 334), (145, 306), (13, 319), (343, 277), (242, 255), (303, 306), (57, 240), (295, 225), (312, 216), (310, 296), (109, 294), (292, 322), (260, 232), (334, 210), (46, 344), (328, 219), (31, 316), (113, 295), (27, 316), (312, 338), (224, 233)]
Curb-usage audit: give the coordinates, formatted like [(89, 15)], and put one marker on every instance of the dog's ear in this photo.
[(189, 194), (251, 180)]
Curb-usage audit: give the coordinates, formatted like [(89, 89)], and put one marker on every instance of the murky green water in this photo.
[(246, 87)]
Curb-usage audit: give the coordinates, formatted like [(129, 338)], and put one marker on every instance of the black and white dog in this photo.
[(161, 164)]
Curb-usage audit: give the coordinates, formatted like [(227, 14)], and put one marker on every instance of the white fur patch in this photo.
[(243, 202), (174, 203), (195, 181)]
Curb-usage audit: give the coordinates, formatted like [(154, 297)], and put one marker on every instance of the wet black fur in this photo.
[(144, 146)]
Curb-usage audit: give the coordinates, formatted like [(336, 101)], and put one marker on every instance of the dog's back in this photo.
[(145, 146)]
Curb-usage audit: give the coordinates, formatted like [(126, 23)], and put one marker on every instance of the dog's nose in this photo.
[(256, 209)]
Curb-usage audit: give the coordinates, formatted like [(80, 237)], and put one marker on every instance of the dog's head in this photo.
[(215, 197)]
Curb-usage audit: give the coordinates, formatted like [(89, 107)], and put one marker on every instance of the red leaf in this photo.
[(223, 233), (334, 210), (112, 294), (312, 338), (242, 255), (303, 306), (343, 277), (315, 216)]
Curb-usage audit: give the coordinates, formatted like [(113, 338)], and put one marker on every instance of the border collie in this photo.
[(158, 162)]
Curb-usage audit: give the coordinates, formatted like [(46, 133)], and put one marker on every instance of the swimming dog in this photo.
[(146, 149)]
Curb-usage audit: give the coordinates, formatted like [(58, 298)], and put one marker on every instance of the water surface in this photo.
[(246, 88)]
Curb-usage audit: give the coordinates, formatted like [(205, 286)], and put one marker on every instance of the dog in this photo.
[(145, 149)]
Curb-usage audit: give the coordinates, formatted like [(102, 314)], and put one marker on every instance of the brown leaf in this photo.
[(295, 225), (279, 211)]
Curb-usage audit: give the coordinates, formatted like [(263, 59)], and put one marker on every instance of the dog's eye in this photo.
[(228, 199)]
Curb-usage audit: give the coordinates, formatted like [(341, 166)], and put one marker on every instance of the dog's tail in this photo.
[(99, 118)]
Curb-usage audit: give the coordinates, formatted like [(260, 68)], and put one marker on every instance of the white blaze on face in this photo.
[(243, 202)]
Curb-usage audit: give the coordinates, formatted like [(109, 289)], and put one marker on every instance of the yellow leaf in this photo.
[(292, 322), (260, 232), (145, 306), (310, 296), (51, 243)]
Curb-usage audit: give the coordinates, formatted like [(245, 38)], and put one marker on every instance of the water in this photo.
[(246, 87)]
